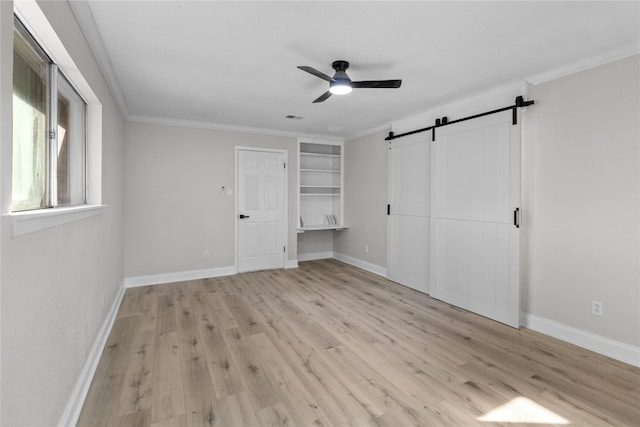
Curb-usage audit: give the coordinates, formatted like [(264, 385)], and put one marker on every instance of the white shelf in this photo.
[(322, 227), (321, 170), (335, 156)]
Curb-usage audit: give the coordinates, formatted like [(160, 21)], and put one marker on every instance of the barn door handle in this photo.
[(244, 216), (516, 217)]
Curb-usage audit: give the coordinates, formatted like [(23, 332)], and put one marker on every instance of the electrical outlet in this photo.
[(205, 255), (596, 308), (223, 190), (366, 249)]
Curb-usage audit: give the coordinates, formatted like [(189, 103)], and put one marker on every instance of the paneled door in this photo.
[(475, 198), (261, 210), (408, 219)]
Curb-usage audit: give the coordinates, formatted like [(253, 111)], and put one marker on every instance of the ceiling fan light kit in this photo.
[(341, 84), (340, 87)]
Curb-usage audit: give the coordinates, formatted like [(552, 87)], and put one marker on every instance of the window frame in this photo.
[(77, 159), (23, 222), (57, 86)]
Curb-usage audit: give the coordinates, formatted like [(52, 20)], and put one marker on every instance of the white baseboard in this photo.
[(316, 255), (291, 263), (178, 276), (615, 349), (76, 400), (373, 268)]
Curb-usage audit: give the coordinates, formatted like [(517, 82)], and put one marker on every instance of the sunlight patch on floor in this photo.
[(523, 410)]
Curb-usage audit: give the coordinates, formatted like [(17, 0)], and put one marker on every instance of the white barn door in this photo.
[(475, 189), (262, 210), (408, 219)]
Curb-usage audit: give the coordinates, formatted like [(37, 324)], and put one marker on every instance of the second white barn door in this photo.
[(261, 210), (475, 191)]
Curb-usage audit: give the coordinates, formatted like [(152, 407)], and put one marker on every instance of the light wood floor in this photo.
[(331, 345)]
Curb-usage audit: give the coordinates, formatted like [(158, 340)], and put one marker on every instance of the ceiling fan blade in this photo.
[(377, 84), (315, 72), (322, 97)]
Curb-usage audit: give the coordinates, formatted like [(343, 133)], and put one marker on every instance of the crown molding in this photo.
[(87, 23), (382, 128), (195, 124), (585, 64)]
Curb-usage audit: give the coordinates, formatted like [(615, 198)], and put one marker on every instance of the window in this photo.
[(49, 131)]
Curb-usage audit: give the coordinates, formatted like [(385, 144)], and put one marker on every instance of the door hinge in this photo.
[(284, 249), (284, 165), (388, 209), (516, 217)]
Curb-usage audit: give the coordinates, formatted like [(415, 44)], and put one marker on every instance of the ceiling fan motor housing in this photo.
[(340, 82), (340, 65)]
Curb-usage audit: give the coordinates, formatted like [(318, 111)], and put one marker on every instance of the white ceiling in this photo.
[(234, 63)]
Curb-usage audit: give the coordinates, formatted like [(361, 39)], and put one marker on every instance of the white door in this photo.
[(475, 190), (262, 210), (408, 219)]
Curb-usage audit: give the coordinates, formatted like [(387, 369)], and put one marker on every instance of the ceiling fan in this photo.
[(341, 84)]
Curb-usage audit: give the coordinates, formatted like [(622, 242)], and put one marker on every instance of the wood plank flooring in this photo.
[(328, 344)]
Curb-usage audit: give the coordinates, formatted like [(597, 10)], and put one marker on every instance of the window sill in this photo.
[(31, 221)]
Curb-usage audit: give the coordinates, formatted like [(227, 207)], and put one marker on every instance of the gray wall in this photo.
[(315, 244), (174, 209), (365, 200), (53, 280), (581, 204)]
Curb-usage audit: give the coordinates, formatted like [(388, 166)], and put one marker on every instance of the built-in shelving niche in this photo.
[(320, 186)]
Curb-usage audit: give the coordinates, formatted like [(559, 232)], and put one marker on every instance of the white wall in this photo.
[(53, 281), (581, 202), (174, 209), (365, 201)]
